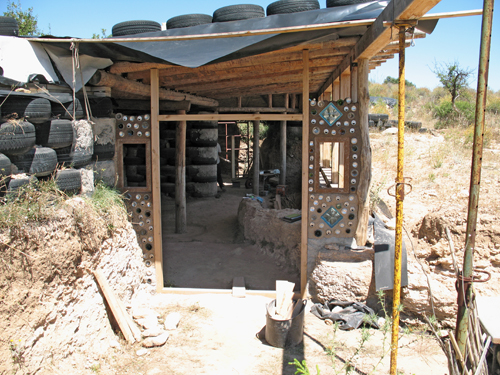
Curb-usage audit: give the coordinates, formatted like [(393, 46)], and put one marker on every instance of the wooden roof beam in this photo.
[(378, 36)]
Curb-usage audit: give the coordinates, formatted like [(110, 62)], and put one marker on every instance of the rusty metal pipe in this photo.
[(477, 155), (396, 290)]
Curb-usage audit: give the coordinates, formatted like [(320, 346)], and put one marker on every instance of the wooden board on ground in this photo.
[(284, 298)]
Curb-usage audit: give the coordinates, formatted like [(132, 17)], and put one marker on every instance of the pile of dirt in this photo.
[(52, 314)]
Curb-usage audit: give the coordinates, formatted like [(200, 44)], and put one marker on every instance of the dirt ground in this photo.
[(219, 334)]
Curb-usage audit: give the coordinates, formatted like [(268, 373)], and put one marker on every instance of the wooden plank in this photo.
[(257, 109), (336, 90), (111, 299), (145, 105), (180, 176), (338, 49), (345, 85), (354, 83), (241, 81), (101, 78), (156, 183), (256, 157), (239, 290), (233, 34), (305, 161), (365, 173), (232, 117), (129, 67), (284, 297), (282, 177), (378, 36)]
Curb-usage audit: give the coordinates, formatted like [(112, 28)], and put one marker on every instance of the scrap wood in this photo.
[(284, 297), (114, 304)]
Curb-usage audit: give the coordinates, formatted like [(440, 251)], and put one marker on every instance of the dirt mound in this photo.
[(50, 306)]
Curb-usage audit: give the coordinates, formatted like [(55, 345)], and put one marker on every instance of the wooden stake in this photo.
[(114, 305)]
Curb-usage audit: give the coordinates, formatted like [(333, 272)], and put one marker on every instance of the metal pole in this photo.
[(396, 290), (464, 290)]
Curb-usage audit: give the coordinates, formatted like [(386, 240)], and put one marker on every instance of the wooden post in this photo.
[(283, 152), (256, 157), (233, 158), (294, 101), (305, 179), (366, 153), (354, 83), (345, 86), (155, 182), (336, 90), (180, 176)]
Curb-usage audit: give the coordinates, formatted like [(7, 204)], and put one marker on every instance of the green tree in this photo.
[(28, 23), (395, 81), (454, 79), (103, 35)]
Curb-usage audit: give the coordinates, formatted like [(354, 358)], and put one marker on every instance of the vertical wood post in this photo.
[(233, 158), (336, 90), (180, 176), (305, 162), (354, 82), (155, 182), (256, 158), (366, 153), (345, 86), (283, 152), (283, 146)]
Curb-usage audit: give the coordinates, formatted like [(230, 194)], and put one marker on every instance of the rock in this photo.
[(141, 352), (432, 227), (391, 224), (391, 131), (153, 332), (342, 275), (155, 341), (141, 313), (150, 322), (114, 344), (172, 321)]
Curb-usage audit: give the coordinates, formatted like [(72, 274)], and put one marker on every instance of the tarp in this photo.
[(196, 53)]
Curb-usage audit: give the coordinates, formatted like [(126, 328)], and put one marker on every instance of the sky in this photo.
[(456, 39)]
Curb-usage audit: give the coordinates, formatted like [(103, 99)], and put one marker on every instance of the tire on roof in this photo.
[(188, 20), (9, 26), (135, 27), (238, 12), (291, 6), (339, 3)]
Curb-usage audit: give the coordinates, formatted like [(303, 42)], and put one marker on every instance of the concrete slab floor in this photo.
[(212, 253)]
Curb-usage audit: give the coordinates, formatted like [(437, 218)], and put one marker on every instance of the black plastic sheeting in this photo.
[(351, 316), (195, 53)]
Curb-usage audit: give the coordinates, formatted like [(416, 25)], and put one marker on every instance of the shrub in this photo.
[(448, 117)]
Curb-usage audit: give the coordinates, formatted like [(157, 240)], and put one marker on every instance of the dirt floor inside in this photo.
[(211, 253)]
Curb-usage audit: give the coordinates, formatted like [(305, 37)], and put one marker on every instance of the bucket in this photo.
[(285, 333)]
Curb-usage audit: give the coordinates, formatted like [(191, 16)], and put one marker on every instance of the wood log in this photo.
[(257, 109), (114, 305), (101, 78), (129, 67), (145, 105)]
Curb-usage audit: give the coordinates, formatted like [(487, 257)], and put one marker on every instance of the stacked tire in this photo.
[(31, 121), (203, 155)]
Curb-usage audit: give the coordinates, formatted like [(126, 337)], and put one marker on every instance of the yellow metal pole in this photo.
[(396, 290)]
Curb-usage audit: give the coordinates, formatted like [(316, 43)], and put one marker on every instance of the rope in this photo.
[(77, 66)]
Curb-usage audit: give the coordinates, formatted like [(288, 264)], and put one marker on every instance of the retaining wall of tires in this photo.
[(39, 140)]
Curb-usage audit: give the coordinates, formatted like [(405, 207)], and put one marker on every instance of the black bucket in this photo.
[(285, 333)]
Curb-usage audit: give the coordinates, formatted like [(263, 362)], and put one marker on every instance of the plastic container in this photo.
[(285, 333)]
